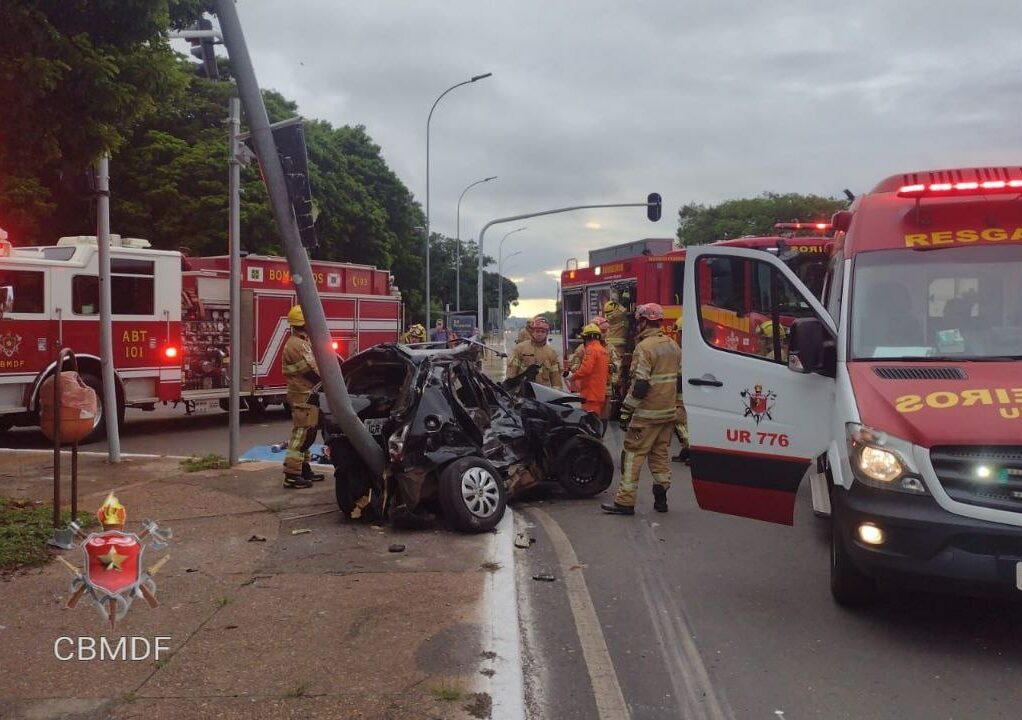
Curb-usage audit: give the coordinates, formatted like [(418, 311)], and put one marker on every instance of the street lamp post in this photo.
[(500, 289), (500, 279), (473, 79), (457, 260)]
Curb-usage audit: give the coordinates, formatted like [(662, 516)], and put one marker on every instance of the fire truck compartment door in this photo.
[(754, 425), (247, 348)]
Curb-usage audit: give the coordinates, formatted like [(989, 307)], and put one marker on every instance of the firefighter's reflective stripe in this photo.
[(661, 378), (666, 414)]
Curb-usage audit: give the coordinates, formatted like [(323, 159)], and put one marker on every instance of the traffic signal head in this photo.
[(653, 206), (202, 48)]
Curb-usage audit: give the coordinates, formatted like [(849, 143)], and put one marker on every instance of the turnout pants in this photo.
[(645, 443), (304, 427)]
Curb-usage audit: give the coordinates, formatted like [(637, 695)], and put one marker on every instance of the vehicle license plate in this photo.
[(375, 425), (201, 407)]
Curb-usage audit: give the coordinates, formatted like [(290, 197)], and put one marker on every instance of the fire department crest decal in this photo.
[(115, 572), (9, 344), (758, 403)]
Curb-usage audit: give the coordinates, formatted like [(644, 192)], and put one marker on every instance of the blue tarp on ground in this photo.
[(264, 452)]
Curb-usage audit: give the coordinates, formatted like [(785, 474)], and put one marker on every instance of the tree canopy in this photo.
[(700, 224), (79, 78)]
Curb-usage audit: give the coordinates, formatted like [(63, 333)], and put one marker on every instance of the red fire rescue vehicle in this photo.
[(171, 321), (652, 271)]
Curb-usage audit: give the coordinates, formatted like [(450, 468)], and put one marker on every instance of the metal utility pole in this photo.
[(234, 240), (106, 332), (512, 218), (297, 258), (500, 286), (457, 253), (429, 119)]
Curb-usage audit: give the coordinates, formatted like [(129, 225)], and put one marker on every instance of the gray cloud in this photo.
[(601, 101)]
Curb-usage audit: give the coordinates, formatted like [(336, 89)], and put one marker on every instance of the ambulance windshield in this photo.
[(960, 303)]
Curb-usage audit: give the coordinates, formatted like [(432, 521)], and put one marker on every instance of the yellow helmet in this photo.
[(610, 306), (592, 329), (295, 317), (417, 330), (766, 329)]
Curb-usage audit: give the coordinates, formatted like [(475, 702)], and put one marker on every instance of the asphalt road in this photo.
[(169, 431), (707, 616)]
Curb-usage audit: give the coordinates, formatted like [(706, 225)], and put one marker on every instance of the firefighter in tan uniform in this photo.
[(523, 334), (536, 351), (302, 375), (415, 334), (649, 412)]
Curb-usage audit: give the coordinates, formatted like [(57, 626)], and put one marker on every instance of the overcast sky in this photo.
[(601, 101)]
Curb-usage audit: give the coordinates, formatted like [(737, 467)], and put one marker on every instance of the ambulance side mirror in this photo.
[(811, 349), (6, 300)]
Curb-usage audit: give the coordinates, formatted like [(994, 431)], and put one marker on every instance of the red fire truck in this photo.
[(171, 321), (653, 271)]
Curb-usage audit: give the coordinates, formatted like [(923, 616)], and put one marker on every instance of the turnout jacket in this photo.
[(656, 362)]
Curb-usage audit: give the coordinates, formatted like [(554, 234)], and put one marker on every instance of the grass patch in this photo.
[(212, 461), (490, 566), (223, 601), (450, 692), (298, 689), (24, 529)]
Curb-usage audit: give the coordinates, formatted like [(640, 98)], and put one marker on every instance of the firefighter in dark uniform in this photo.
[(648, 413), (302, 375)]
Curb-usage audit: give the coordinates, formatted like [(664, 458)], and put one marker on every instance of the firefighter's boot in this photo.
[(307, 473), (615, 509), (660, 498), (296, 482)]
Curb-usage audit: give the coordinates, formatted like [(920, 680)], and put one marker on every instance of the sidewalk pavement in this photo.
[(323, 624)]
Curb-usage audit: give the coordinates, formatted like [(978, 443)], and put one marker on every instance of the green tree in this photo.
[(75, 78), (700, 224)]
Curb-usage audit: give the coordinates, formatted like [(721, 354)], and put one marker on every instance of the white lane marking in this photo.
[(676, 639), (610, 701), (92, 453), (501, 626)]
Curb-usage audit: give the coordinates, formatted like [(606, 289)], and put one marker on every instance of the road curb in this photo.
[(506, 684)]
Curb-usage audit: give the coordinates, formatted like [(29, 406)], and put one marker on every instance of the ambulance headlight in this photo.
[(883, 461)]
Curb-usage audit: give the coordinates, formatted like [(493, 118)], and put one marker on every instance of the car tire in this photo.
[(849, 586), (581, 470), (472, 495), (99, 428)]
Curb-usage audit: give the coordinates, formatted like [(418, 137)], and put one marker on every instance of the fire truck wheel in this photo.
[(99, 427), (849, 586)]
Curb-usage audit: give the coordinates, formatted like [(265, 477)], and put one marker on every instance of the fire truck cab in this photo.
[(900, 384), (170, 319)]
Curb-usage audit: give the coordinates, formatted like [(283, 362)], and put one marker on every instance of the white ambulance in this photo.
[(903, 387)]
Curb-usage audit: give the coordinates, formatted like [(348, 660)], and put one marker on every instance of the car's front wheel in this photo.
[(472, 495), (849, 586)]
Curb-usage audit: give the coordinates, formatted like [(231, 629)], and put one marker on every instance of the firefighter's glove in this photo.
[(624, 417)]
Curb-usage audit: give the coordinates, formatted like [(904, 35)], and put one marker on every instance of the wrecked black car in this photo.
[(456, 441)]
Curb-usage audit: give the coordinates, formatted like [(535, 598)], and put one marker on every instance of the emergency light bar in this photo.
[(921, 190), (801, 226)]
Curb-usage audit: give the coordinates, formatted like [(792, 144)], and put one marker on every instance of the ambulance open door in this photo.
[(755, 426)]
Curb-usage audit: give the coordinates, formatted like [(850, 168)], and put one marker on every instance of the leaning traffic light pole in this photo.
[(297, 258)]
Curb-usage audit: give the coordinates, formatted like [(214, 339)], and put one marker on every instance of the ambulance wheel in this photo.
[(99, 424), (472, 495), (849, 586)]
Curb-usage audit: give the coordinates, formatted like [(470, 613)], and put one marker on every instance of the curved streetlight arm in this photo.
[(512, 218), (457, 259), (429, 118)]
